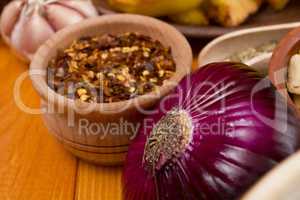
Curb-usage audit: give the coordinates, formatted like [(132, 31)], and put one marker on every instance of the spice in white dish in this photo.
[(252, 52)]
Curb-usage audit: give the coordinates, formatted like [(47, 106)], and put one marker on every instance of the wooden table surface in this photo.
[(33, 165)]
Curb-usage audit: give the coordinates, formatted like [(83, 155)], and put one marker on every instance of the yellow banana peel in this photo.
[(278, 4), (191, 17), (154, 7), (231, 12)]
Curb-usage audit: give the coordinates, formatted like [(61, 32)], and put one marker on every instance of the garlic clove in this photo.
[(60, 16), (86, 8), (293, 83), (10, 17), (30, 32)]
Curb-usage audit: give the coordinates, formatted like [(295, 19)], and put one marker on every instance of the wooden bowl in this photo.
[(288, 46), (64, 117)]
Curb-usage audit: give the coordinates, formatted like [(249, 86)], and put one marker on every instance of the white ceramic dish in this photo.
[(223, 47)]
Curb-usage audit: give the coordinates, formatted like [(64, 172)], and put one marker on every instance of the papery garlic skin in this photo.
[(10, 16), (27, 24), (60, 16), (293, 83), (83, 8), (30, 32)]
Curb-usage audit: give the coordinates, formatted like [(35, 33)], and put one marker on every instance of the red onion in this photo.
[(249, 129)]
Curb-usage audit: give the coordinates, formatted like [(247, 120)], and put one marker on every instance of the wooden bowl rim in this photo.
[(51, 96)]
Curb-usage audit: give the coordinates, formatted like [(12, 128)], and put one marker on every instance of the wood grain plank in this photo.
[(32, 164), (98, 183)]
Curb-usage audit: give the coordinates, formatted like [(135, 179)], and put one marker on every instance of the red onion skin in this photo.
[(216, 166)]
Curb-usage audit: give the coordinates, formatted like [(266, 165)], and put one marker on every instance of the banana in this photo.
[(154, 8), (191, 17), (231, 12), (278, 4)]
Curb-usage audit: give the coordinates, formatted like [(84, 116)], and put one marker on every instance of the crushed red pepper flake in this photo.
[(111, 68)]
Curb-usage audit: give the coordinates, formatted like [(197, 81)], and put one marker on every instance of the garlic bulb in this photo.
[(26, 24)]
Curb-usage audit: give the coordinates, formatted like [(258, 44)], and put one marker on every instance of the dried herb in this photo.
[(110, 68), (252, 52)]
